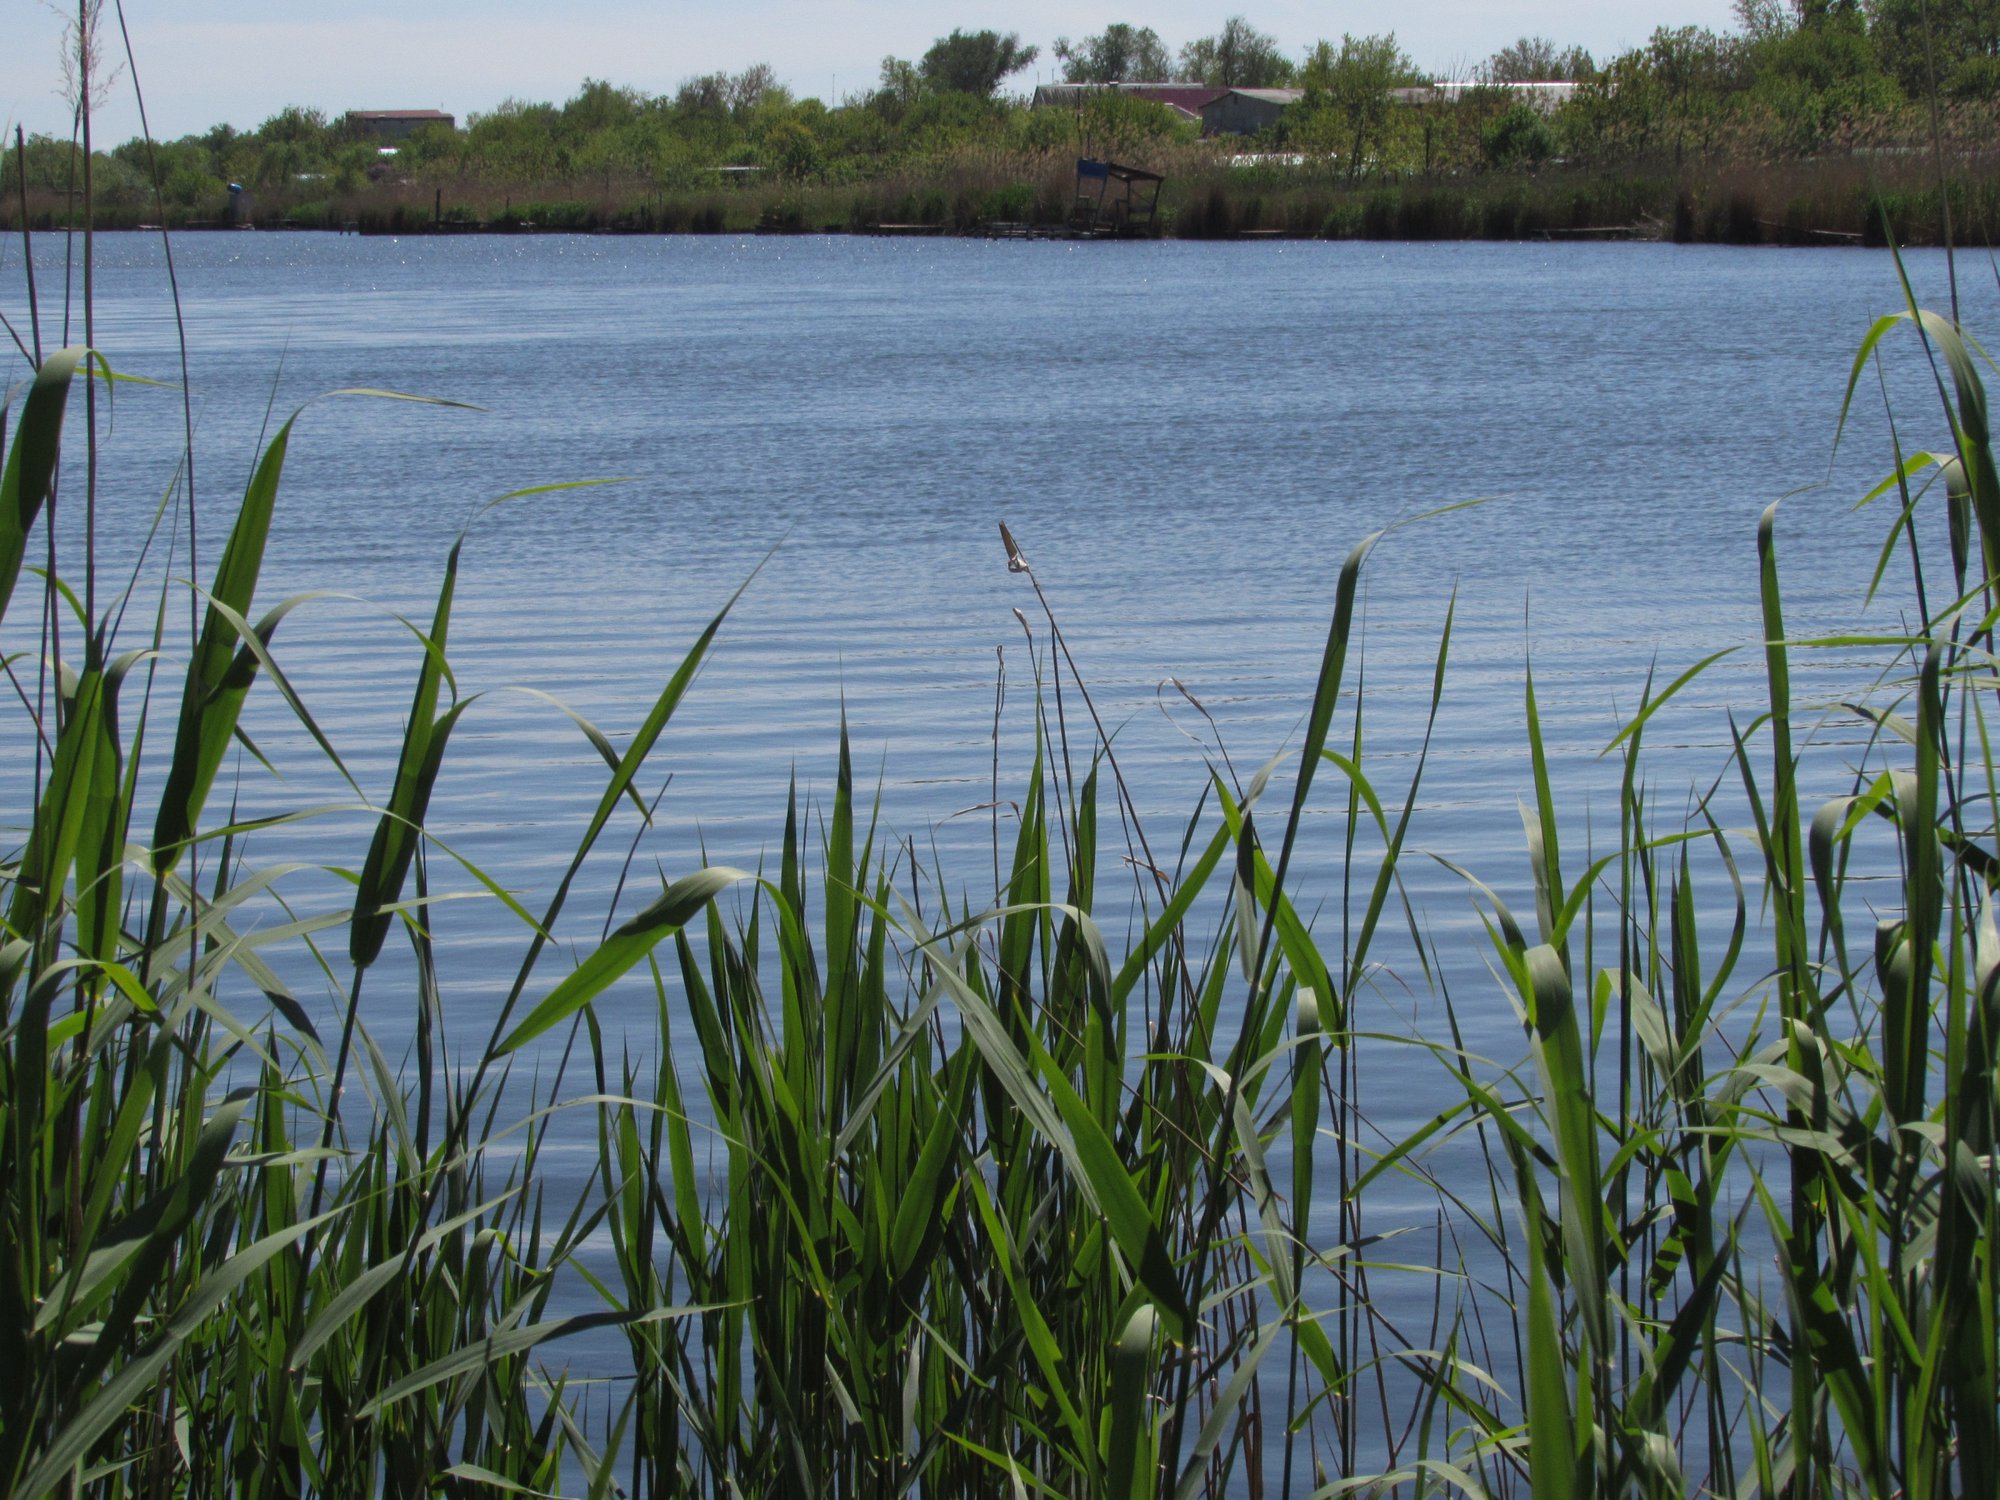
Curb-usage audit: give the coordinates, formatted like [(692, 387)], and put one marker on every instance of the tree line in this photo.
[(1792, 78)]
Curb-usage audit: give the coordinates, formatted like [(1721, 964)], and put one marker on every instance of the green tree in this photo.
[(351, 163), (294, 125), (1517, 138), (791, 150), (720, 96), (221, 143), (515, 142), (854, 135), (434, 148), (1347, 103), (1536, 59), (1955, 42), (1672, 95), (1120, 53), (1237, 57), (292, 143), (974, 62), (1762, 20), (182, 169), (1697, 69), (947, 120), (47, 164), (600, 106), (705, 95), (1812, 83), (902, 86), (751, 88)]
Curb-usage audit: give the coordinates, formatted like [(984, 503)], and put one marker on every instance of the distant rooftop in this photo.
[(1188, 98), (1272, 96), (1544, 97)]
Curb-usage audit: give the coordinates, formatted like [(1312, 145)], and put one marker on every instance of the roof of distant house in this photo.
[(1186, 97), (1267, 96), (1544, 95), (398, 114)]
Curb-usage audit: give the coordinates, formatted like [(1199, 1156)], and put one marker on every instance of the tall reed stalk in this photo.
[(918, 1194)]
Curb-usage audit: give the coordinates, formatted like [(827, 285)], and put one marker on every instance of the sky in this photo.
[(208, 62)]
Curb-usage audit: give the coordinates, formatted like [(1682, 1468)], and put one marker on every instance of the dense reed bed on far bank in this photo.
[(1856, 201), (1210, 194), (1066, 1189)]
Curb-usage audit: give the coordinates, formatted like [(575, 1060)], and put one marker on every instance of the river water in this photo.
[(1186, 439)]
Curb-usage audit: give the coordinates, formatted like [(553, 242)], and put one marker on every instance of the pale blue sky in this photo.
[(205, 61)]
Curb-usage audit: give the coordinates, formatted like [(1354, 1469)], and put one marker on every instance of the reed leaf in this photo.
[(676, 906), (30, 466)]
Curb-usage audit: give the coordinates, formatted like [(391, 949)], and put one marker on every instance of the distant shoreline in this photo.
[(1853, 200), (1617, 235)]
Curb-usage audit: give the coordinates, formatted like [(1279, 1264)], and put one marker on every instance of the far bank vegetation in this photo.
[(1808, 121)]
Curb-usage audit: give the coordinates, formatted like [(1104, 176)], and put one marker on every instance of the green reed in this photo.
[(938, 1254), (1761, 1261), (915, 1193)]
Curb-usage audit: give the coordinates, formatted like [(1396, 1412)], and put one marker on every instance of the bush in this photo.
[(1517, 139)]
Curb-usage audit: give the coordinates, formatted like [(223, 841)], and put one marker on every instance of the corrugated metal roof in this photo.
[(1186, 97), (1544, 97), (1268, 96)]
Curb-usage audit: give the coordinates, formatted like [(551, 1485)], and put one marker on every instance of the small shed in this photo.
[(1114, 199)]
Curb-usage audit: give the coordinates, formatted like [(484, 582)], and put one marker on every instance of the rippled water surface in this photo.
[(1186, 439)]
